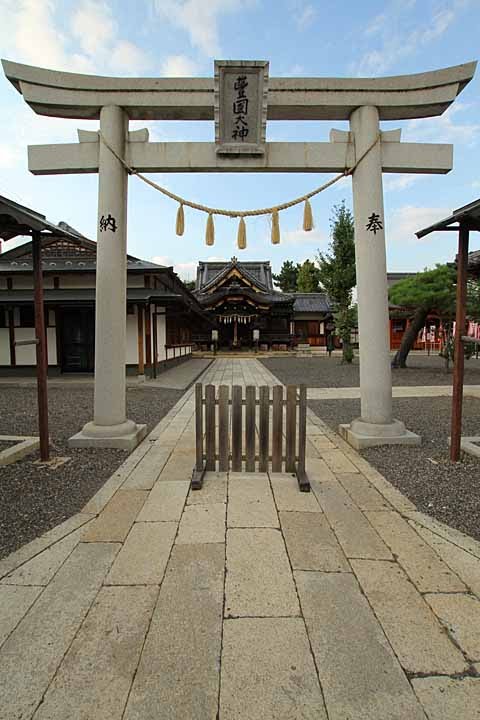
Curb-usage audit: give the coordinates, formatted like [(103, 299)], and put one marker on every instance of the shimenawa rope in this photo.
[(211, 211)]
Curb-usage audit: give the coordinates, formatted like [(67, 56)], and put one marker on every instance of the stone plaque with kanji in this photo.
[(241, 88)]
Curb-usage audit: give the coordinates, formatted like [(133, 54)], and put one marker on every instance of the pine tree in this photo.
[(426, 292), (287, 277), (337, 274), (308, 279)]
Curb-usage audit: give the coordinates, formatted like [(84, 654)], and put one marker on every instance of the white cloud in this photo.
[(305, 16), (405, 221), (185, 270), (88, 42), (300, 237), (400, 36), (444, 129), (401, 182), (200, 19), (179, 66), (93, 26)]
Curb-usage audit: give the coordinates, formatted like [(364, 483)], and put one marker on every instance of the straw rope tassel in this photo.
[(307, 216), (242, 235), (275, 228), (180, 227), (210, 231)]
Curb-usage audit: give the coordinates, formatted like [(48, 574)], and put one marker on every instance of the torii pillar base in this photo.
[(360, 434), (120, 437)]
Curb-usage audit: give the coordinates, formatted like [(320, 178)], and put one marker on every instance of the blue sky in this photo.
[(299, 38)]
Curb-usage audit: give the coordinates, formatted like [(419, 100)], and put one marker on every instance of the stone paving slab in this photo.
[(417, 637), (359, 673), (463, 564), (461, 616), (178, 677), (178, 468), (114, 522), (15, 601), (40, 569), (144, 476), (259, 580), (288, 497), (448, 698), (364, 495), (95, 677), (202, 524), (144, 555), (338, 462), (268, 671), (250, 502), (31, 549), (355, 534), (165, 502), (453, 535), (421, 563), (180, 664), (311, 544), (31, 655), (214, 490)]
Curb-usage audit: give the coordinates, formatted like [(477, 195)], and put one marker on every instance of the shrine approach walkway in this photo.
[(244, 600)]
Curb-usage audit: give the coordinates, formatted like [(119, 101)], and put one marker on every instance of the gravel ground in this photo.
[(450, 492), (329, 372), (33, 498)]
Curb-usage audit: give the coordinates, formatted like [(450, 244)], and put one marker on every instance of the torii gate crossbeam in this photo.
[(364, 102)]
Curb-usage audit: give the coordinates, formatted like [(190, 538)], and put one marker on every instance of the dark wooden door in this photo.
[(78, 339)]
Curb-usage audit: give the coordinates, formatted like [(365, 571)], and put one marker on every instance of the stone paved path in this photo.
[(245, 600)]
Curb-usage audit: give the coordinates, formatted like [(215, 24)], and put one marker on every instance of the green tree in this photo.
[(337, 274), (308, 279), (426, 292), (287, 277)]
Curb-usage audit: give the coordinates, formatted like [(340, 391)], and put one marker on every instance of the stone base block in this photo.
[(392, 434), (123, 441), (469, 445)]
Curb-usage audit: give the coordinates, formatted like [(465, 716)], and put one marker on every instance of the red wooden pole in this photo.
[(41, 346), (460, 330)]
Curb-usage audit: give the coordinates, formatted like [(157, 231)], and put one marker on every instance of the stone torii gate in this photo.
[(364, 102)]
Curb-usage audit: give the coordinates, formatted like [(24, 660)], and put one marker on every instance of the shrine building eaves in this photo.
[(71, 95)]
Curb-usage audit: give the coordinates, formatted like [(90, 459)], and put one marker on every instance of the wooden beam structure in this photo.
[(460, 331), (41, 346)]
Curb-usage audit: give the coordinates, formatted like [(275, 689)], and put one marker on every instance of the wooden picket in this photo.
[(230, 431)]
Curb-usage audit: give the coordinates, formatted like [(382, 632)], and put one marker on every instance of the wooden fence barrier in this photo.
[(223, 437)]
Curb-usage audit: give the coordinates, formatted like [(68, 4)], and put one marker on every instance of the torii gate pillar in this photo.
[(110, 427), (376, 424)]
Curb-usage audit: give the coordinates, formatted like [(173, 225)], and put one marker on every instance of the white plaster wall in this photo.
[(4, 347), (132, 344), (161, 334), (26, 355)]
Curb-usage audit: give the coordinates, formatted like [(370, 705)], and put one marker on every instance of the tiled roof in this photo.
[(311, 302), (259, 272)]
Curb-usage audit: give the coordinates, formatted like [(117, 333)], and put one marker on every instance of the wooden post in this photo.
[(277, 428), (141, 362), (148, 337), (237, 428), (210, 427), (264, 428), (155, 349), (250, 429), (198, 428), (302, 429), (41, 343), (11, 335), (459, 361), (223, 444), (291, 428)]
